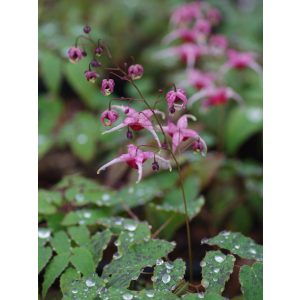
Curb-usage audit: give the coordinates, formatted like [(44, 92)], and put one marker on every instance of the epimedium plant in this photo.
[(81, 216)]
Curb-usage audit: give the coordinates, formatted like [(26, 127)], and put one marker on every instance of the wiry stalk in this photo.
[(180, 181)]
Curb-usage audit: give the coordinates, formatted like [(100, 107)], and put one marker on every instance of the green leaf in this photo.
[(127, 267), (50, 70), (251, 279), (67, 278), (47, 201), (133, 233), (216, 270), (82, 260), (82, 134), (87, 288), (44, 254), (88, 92), (209, 296), (99, 243), (61, 243), (167, 275), (237, 244), (83, 217), (54, 269), (79, 234), (122, 294), (242, 123)]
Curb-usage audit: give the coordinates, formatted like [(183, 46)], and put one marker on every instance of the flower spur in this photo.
[(137, 121), (135, 158)]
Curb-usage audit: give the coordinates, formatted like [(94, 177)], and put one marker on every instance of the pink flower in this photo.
[(91, 76), (189, 53), (186, 13), (214, 16), (135, 71), (200, 80), (218, 44), (107, 86), (241, 60), (214, 96), (176, 99), (185, 34), (135, 159), (108, 117), (137, 120), (75, 54), (203, 27), (180, 133)]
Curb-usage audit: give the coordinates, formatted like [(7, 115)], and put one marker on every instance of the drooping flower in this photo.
[(180, 133), (218, 43), (135, 158), (107, 86), (185, 34), (137, 120), (91, 76), (200, 80), (135, 71), (176, 100), (214, 16), (215, 96), (87, 29), (189, 53), (186, 13), (240, 61), (75, 54), (108, 117), (203, 26), (98, 51)]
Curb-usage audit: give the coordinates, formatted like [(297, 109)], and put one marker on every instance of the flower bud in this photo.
[(91, 76), (75, 54), (107, 86), (84, 53), (108, 117), (155, 166), (129, 135), (199, 146), (176, 100), (95, 63), (98, 51), (87, 29), (135, 71)]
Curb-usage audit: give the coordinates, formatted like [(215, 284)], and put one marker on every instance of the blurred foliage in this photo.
[(76, 213)]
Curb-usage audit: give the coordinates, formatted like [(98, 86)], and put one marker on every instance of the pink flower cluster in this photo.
[(194, 33), (150, 119)]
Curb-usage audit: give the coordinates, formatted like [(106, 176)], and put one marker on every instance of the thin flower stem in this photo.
[(162, 227), (180, 181)]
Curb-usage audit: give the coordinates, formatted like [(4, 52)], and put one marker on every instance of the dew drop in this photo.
[(44, 233), (118, 221), (127, 296), (117, 255), (90, 283), (216, 270), (169, 266), (201, 295), (130, 227), (166, 278), (202, 264), (150, 294), (219, 258), (252, 251), (74, 291), (159, 262), (105, 197), (237, 246), (87, 214), (82, 139), (79, 197), (205, 283)]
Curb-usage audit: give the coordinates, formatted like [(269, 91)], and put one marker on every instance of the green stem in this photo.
[(180, 181)]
